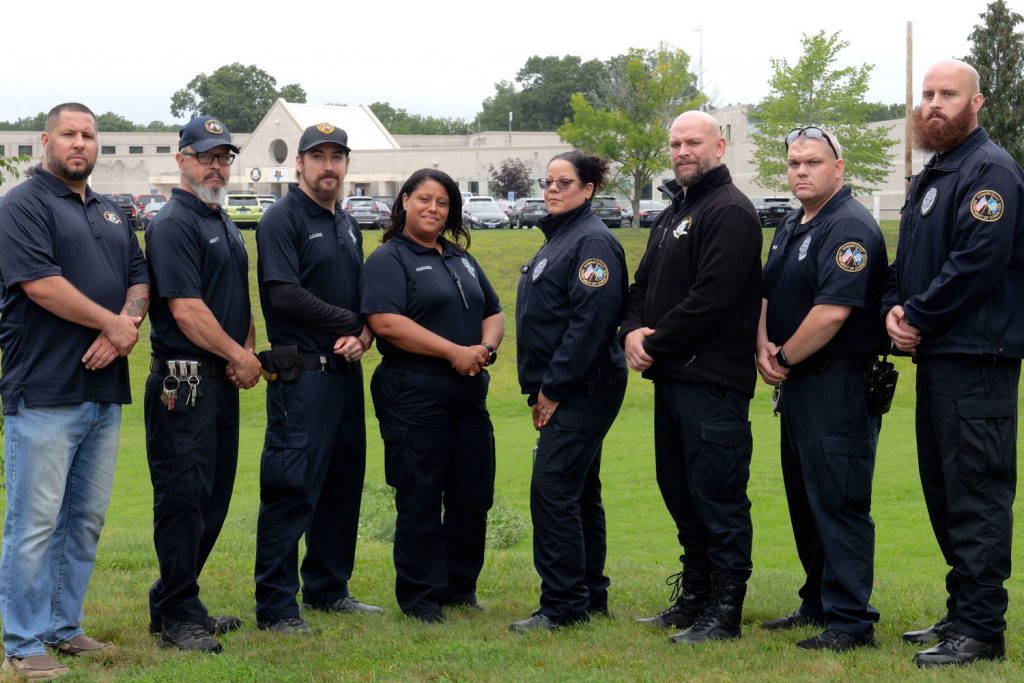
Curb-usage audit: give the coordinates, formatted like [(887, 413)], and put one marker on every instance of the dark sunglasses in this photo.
[(812, 133), (563, 184)]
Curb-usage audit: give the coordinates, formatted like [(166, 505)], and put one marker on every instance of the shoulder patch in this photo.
[(111, 217), (987, 206), (852, 257), (594, 273)]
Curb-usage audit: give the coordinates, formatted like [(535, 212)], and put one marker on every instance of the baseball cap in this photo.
[(203, 134), (321, 133)]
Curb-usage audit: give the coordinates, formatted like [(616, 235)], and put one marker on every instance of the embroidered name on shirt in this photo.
[(214, 240), (315, 235), (424, 268)]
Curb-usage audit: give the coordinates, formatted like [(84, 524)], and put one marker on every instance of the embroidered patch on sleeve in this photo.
[(594, 273), (852, 257), (987, 206)]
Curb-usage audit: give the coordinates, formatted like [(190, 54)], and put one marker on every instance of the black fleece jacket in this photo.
[(699, 286)]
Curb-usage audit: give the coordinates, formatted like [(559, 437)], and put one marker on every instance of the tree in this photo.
[(237, 95), (997, 52), (401, 122), (9, 167), (627, 120), (811, 92), (539, 97), (511, 176), (32, 123), (114, 123), (885, 112)]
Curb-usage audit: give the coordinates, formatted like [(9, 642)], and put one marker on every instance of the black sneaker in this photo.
[(932, 634), (285, 625), (839, 641), (537, 622), (427, 617), (346, 605), (217, 626), (187, 635), (957, 649)]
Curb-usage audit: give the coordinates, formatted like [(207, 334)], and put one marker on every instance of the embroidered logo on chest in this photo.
[(538, 269), (111, 217), (802, 254), (468, 266), (683, 228)]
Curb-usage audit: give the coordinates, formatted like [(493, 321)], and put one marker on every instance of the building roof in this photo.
[(365, 131)]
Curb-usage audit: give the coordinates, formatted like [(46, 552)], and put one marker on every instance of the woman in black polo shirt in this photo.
[(438, 324)]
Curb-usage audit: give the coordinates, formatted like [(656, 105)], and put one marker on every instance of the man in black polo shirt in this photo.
[(75, 289), (314, 454), (203, 339), (819, 331)]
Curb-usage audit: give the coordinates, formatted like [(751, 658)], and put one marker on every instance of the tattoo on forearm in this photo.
[(137, 307)]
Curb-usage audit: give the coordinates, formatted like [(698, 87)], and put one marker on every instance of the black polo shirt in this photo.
[(46, 230), (446, 292), (838, 257), (301, 243), (195, 252)]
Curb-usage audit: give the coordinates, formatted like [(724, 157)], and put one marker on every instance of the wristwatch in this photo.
[(781, 359), (493, 354)]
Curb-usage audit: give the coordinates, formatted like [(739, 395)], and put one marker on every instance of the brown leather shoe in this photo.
[(80, 644), (35, 668)]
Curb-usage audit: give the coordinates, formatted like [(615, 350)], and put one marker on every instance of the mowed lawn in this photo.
[(642, 551)]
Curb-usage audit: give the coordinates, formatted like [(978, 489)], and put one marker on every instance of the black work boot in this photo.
[(690, 592), (187, 635), (721, 619)]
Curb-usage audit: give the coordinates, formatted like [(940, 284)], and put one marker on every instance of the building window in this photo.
[(473, 186), (135, 149), (728, 132), (108, 149), (279, 151), (3, 152), (25, 150), (163, 149)]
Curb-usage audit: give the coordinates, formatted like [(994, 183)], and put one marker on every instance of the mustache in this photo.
[(328, 174), (213, 174)]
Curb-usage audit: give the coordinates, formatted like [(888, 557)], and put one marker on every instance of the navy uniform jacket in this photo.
[(959, 268), (196, 252), (568, 308), (46, 230), (838, 257), (301, 243)]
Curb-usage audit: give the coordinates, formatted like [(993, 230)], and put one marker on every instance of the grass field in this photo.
[(642, 551)]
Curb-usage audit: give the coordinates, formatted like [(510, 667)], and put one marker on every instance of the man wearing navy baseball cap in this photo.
[(203, 338)]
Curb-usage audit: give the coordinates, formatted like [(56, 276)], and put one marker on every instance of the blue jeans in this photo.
[(60, 471)]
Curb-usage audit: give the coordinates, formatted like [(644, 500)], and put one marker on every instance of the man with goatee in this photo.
[(314, 453), (954, 303), (203, 338)]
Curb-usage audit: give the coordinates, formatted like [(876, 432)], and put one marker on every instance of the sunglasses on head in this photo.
[(811, 133)]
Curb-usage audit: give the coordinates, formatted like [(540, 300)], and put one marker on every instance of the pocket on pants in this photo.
[(397, 454), (173, 472), (285, 461), (845, 480), (986, 436), (723, 464)]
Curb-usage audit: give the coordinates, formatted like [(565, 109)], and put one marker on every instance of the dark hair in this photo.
[(54, 115), (453, 229), (590, 167)]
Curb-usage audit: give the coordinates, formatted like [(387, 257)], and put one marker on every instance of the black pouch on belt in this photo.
[(881, 385), (284, 361)]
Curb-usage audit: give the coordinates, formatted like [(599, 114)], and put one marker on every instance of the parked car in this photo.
[(266, 202), (244, 210), (127, 204), (771, 210), (527, 211), (483, 214), (627, 211), (143, 199), (147, 214), (369, 212), (608, 210), (649, 210)]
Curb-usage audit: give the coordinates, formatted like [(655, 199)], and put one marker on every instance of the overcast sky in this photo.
[(441, 58)]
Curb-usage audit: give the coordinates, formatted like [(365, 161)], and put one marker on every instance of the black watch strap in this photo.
[(780, 358), (493, 354)]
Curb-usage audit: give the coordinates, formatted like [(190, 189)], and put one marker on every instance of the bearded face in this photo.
[(936, 132)]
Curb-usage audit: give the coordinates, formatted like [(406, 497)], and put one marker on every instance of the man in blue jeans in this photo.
[(75, 290)]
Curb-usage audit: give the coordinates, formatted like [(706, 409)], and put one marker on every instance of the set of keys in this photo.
[(176, 371)]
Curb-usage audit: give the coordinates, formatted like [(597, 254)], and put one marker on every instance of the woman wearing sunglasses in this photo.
[(573, 370)]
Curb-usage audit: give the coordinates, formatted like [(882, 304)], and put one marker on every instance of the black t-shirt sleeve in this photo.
[(844, 261), (383, 285), (491, 303), (277, 248), (26, 247), (174, 259)]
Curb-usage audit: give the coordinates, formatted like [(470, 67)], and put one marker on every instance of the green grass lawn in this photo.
[(642, 551)]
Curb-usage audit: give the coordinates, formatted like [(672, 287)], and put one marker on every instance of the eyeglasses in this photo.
[(206, 158), (563, 184), (812, 133)]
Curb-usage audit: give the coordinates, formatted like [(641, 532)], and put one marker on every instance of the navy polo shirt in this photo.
[(196, 252), (46, 230), (445, 292), (838, 257), (301, 243)]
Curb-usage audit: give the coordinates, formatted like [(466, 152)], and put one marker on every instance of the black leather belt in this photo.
[(820, 365), (204, 368), (425, 364)]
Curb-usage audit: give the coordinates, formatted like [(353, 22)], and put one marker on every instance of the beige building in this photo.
[(143, 163)]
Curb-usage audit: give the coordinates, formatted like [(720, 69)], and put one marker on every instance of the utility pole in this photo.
[(908, 156)]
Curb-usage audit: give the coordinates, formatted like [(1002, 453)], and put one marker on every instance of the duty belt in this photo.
[(820, 365), (425, 364), (181, 367)]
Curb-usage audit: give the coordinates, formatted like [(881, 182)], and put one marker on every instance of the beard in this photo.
[(61, 170), (691, 178), (323, 194), (939, 133), (207, 195)]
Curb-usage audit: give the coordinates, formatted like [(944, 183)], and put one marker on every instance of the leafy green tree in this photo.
[(885, 112), (510, 176), (237, 95), (32, 123), (539, 97), (812, 92), (401, 122), (114, 123), (627, 119), (997, 52)]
